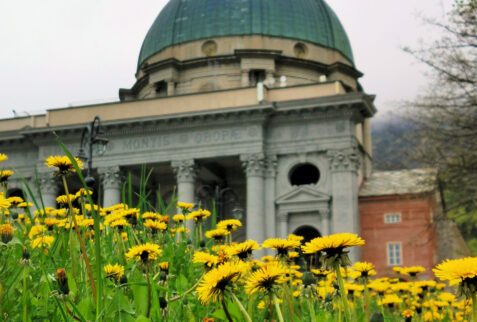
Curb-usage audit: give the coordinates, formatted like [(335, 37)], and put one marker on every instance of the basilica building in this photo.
[(253, 102)]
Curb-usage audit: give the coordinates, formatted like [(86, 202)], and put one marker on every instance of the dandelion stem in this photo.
[(25, 272), (178, 297), (148, 293), (366, 299), (80, 240), (312, 311), (474, 306), (227, 314), (244, 312), (277, 308), (342, 293)]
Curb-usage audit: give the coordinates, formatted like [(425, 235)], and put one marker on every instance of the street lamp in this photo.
[(222, 197), (93, 136)]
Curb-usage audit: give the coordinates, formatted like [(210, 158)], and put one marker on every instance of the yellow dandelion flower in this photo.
[(282, 246), (219, 280), (25, 205), (164, 266), (114, 271), (198, 215), (243, 250), (15, 201), (4, 203), (295, 237), (35, 230), (266, 278), (155, 225), (390, 300), (217, 234), (42, 241), (333, 246), (457, 269), (3, 157), (5, 174), (62, 164), (185, 205), (365, 269), (182, 230), (261, 305), (119, 223), (63, 199), (407, 313), (145, 252), (332, 243), (207, 259), (412, 270), (50, 222), (293, 255), (6, 233), (82, 192), (229, 224), (178, 218), (150, 215)]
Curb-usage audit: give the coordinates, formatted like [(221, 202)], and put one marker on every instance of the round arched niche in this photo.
[(15, 192), (307, 232), (304, 174)]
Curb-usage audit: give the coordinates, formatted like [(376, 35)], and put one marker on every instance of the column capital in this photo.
[(324, 213), (344, 160), (271, 166), (48, 182), (111, 177), (185, 170), (282, 216), (253, 164)]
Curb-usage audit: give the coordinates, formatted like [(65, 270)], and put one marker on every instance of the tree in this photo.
[(446, 114)]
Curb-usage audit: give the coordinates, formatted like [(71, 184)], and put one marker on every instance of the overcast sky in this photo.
[(57, 53)]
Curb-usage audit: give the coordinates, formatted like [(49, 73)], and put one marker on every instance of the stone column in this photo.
[(325, 222), (112, 183), (283, 224), (253, 165), (49, 189), (186, 173), (270, 180), (344, 180)]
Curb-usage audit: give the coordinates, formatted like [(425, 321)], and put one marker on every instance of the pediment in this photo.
[(304, 194)]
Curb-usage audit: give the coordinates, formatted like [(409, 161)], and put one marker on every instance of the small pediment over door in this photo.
[(302, 195)]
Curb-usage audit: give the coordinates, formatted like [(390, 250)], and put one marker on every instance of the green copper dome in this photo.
[(182, 21)]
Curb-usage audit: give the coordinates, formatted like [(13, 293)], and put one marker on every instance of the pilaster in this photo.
[(344, 166)]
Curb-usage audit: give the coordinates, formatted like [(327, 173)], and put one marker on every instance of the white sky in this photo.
[(56, 53)]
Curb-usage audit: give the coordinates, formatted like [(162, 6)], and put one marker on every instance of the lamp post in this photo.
[(93, 136), (222, 197)]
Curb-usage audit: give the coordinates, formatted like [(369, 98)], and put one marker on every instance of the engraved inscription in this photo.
[(217, 136), (148, 142)]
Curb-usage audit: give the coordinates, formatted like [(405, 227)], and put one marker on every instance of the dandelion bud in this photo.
[(162, 302), (202, 244), (185, 301), (308, 279), (123, 280), (62, 281), (25, 254), (6, 233)]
